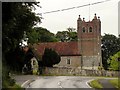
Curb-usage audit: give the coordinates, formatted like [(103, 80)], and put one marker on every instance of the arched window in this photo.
[(83, 30), (90, 29)]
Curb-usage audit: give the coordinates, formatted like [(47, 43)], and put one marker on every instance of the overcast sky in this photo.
[(60, 21)]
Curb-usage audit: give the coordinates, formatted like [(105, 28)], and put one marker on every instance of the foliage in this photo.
[(115, 82), (110, 46), (39, 34), (95, 84), (50, 58), (69, 35), (33, 36), (113, 61), (17, 17), (7, 80)]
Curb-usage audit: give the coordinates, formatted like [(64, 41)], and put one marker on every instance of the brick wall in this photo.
[(89, 42)]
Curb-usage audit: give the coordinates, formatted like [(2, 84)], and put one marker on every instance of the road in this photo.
[(53, 81), (60, 82), (34, 81)]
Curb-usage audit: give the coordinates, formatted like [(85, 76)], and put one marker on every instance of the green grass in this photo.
[(14, 87), (95, 84), (115, 82), (10, 85)]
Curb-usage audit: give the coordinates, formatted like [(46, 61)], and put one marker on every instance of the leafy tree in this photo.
[(73, 36), (39, 34), (62, 36), (33, 36), (69, 35), (45, 35), (17, 17), (113, 62), (50, 58), (110, 46)]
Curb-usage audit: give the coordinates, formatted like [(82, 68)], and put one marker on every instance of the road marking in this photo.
[(59, 83), (25, 83), (88, 82), (61, 87)]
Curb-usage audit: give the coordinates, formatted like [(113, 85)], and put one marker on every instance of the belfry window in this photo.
[(90, 29), (83, 30)]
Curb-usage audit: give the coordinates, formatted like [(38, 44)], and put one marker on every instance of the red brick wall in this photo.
[(89, 42)]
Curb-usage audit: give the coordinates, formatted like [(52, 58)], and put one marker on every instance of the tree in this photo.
[(62, 36), (110, 46), (33, 36), (69, 35), (113, 62), (50, 58), (73, 36), (39, 34), (17, 17)]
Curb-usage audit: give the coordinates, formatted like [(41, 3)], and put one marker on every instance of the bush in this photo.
[(50, 58), (113, 62)]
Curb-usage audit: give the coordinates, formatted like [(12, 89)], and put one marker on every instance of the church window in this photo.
[(90, 29), (83, 29), (68, 60)]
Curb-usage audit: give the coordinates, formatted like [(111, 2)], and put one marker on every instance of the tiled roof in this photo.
[(62, 48)]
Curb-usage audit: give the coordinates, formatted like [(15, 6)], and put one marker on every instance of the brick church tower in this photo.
[(89, 42)]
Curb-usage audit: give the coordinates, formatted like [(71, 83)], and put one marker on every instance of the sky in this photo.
[(60, 21)]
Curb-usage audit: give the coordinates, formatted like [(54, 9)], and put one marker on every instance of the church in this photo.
[(84, 53)]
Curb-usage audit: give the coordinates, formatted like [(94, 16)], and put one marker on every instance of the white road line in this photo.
[(25, 83), (59, 83), (88, 82)]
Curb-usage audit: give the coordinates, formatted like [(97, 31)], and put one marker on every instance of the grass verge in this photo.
[(115, 82), (14, 87), (95, 84)]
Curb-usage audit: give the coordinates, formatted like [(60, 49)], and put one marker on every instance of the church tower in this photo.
[(89, 42)]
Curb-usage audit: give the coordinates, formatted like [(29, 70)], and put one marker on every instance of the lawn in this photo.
[(95, 84), (115, 82)]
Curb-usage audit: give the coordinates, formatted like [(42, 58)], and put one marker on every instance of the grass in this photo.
[(95, 84), (10, 85), (14, 87), (115, 82)]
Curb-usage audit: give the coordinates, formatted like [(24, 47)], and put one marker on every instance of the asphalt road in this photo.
[(60, 82), (34, 81), (31, 81)]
